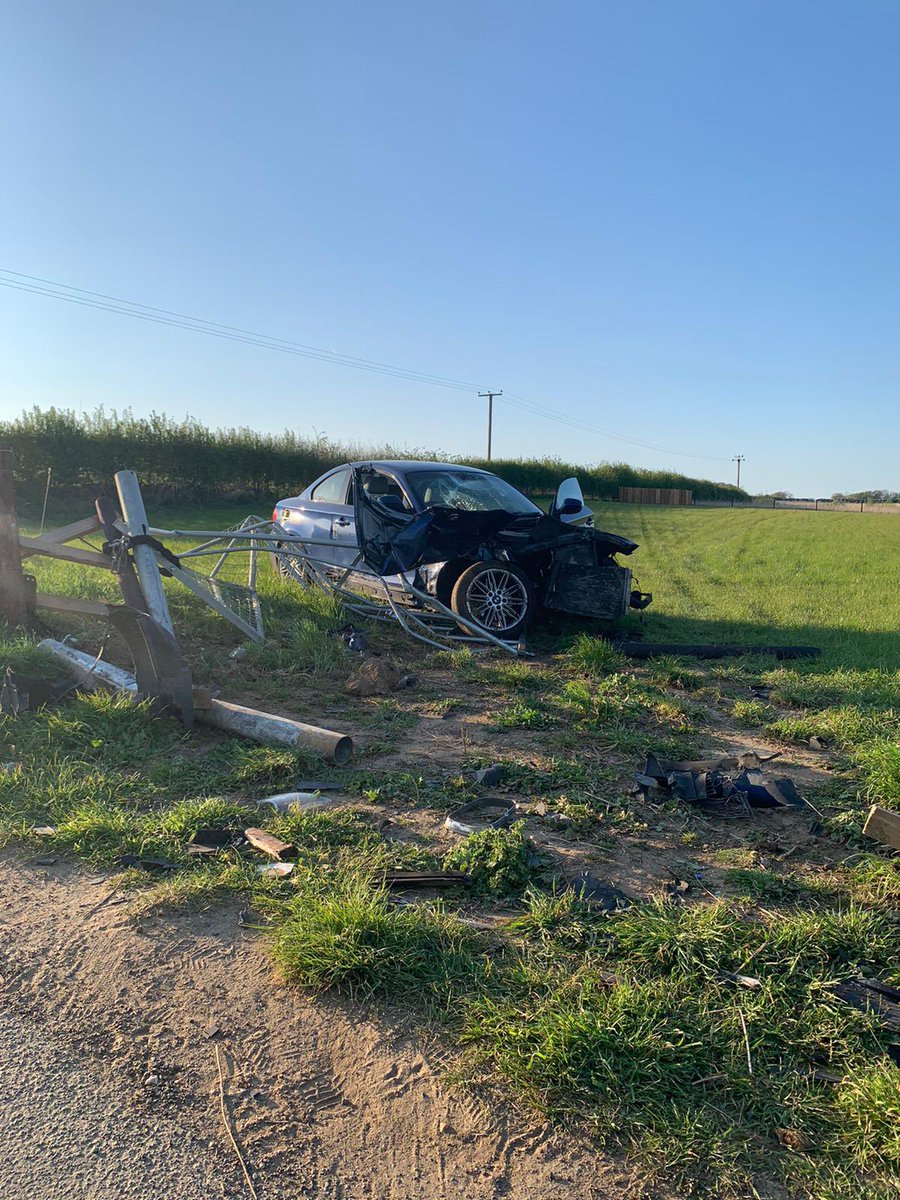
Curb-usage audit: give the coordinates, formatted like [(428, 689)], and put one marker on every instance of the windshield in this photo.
[(467, 490)]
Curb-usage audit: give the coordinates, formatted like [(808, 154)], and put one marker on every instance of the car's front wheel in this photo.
[(495, 596)]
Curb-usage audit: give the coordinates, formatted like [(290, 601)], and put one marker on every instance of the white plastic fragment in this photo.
[(296, 801), (275, 870)]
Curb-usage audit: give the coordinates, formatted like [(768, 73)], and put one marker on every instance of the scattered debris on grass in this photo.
[(872, 996), (635, 649), (715, 783), (487, 812), (599, 892), (489, 776), (296, 801), (269, 844), (883, 826)]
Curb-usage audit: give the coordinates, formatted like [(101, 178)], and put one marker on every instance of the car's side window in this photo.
[(377, 484), (332, 489)]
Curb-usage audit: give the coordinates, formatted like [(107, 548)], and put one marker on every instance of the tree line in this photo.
[(183, 459)]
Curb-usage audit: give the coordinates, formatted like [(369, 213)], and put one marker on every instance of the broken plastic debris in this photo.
[(147, 864), (426, 879), (275, 870), (486, 813), (601, 892), (210, 841), (489, 776), (744, 981), (296, 801), (727, 781)]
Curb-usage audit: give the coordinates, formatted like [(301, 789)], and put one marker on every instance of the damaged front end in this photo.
[(571, 568)]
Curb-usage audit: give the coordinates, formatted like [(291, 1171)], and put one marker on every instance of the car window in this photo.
[(377, 484), (468, 490), (332, 489)]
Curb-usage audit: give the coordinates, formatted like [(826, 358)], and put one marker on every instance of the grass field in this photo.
[(627, 1024)]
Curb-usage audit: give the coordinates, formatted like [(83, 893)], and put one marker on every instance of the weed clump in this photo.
[(501, 861), (595, 656)]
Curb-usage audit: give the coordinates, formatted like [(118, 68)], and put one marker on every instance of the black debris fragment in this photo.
[(872, 996), (726, 783), (426, 879), (489, 776), (147, 864), (676, 888), (207, 842), (600, 892), (354, 639)]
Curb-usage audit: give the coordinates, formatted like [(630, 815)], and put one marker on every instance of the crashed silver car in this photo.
[(465, 537)]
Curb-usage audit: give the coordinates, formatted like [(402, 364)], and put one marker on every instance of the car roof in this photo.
[(406, 464)]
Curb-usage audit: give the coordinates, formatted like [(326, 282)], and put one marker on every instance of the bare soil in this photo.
[(109, 1087)]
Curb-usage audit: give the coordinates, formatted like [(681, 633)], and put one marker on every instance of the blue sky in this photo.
[(676, 222)]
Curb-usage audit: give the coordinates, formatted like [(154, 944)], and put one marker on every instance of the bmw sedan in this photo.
[(465, 537)]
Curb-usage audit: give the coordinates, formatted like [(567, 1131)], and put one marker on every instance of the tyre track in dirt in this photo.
[(327, 1101)]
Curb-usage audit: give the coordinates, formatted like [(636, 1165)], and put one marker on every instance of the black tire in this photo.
[(495, 596)]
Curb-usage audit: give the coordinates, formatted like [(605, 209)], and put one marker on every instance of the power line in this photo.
[(231, 333), (103, 302), (576, 423)]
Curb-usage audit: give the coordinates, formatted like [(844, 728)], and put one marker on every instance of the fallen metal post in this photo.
[(233, 718), (91, 672), (277, 731)]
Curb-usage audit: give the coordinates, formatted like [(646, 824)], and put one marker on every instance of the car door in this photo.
[(316, 515), (344, 550), (380, 485)]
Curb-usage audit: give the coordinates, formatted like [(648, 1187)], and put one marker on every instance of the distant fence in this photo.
[(645, 495), (810, 505)]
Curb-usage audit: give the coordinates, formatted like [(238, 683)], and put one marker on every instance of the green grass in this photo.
[(344, 934), (628, 1024), (624, 1024)]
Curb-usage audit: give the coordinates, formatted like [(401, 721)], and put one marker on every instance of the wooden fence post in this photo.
[(13, 600)]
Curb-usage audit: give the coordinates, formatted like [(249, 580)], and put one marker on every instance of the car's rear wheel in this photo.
[(495, 596)]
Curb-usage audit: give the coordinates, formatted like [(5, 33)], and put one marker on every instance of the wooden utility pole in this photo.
[(13, 597), (490, 399), (738, 458)]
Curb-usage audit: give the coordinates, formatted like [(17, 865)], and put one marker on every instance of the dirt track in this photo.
[(326, 1102)]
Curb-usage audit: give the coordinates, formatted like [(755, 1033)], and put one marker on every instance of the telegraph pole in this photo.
[(738, 458), (490, 399)]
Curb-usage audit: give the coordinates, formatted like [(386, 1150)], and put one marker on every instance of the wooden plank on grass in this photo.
[(884, 826), (268, 843)]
